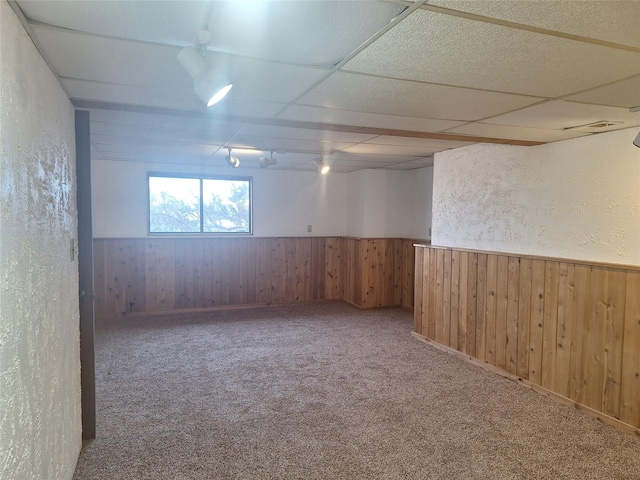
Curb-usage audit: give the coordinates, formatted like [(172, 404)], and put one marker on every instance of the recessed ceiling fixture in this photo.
[(266, 162), (590, 127), (231, 160), (322, 166), (209, 84)]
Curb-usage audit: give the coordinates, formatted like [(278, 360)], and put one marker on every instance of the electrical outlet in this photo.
[(309, 228)]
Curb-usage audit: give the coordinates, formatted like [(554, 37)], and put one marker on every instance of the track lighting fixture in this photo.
[(636, 142), (322, 166), (266, 162), (232, 161), (210, 85)]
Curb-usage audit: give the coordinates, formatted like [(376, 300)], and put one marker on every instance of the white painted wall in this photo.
[(368, 203), (389, 203), (284, 202), (40, 423), (576, 199)]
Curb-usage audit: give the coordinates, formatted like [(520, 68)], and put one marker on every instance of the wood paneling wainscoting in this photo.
[(165, 274), (567, 328)]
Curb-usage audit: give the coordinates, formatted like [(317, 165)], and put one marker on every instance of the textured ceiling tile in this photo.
[(611, 21), (285, 144), (146, 132), (374, 120), (312, 33), (107, 60), (371, 158), (397, 97), (416, 142), (438, 48), (392, 149), (176, 122), (173, 23), (304, 134), (515, 133), (559, 114), (620, 94)]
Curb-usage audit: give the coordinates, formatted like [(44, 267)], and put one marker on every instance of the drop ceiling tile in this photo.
[(373, 120), (515, 133), (108, 60), (416, 142), (611, 21), (559, 114), (624, 94), (304, 134), (285, 144), (312, 33), (463, 52), (367, 148), (371, 158), (150, 133), (173, 23), (410, 99)]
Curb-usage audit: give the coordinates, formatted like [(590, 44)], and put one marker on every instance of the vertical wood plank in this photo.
[(455, 299), (417, 288), (616, 297), (524, 317), (431, 333), (99, 285), (565, 329), (502, 302), (472, 301), (439, 296), (578, 366), (446, 299), (549, 335), (513, 291), (490, 308), (537, 321), (461, 341), (630, 381), (594, 347), (481, 296), (425, 290)]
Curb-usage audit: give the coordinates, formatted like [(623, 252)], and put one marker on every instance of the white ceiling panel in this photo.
[(410, 99), (115, 131), (620, 94), (87, 57), (559, 114), (259, 79), (311, 33), (285, 144), (519, 133), (132, 95), (349, 157), (417, 142), (610, 20), (367, 148), (341, 116), (173, 23), (304, 134), (469, 53)]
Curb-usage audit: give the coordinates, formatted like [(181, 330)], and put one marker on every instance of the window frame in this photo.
[(201, 178)]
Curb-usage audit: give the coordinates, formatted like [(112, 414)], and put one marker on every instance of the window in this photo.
[(191, 204)]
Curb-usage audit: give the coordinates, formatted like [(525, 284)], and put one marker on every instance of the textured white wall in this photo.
[(40, 424), (284, 202), (575, 199)]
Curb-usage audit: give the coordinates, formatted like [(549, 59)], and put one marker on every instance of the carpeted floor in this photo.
[(324, 392)]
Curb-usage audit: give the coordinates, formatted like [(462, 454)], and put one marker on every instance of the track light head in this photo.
[(266, 162), (232, 161), (209, 85), (636, 142), (323, 168)]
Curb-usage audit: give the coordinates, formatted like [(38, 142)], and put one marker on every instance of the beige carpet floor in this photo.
[(324, 392)]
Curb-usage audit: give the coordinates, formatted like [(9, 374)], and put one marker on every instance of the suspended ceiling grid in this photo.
[(364, 84)]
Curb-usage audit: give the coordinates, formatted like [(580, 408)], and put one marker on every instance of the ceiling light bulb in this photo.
[(323, 168)]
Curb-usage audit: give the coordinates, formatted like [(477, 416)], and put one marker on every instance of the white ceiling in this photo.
[(365, 84)]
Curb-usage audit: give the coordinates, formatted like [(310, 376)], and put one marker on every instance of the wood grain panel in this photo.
[(570, 328)]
